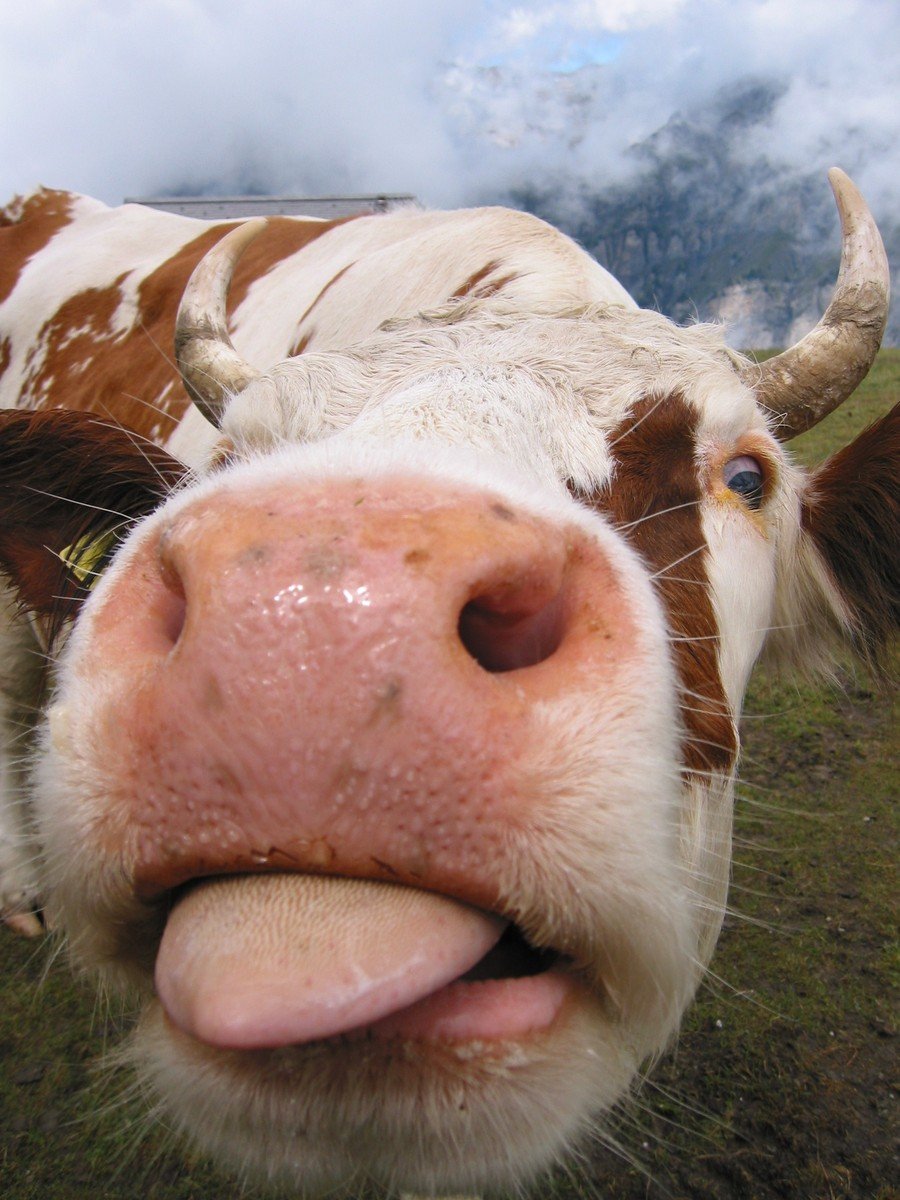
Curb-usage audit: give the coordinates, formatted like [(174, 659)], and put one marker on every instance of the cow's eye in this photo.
[(744, 476)]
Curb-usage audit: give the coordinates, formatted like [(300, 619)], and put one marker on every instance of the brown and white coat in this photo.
[(431, 619)]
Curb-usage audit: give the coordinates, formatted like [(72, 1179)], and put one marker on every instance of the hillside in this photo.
[(700, 222)]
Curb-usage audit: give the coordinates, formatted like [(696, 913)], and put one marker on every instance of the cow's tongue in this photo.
[(269, 960)]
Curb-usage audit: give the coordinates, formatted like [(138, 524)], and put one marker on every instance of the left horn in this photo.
[(805, 383), (211, 368)]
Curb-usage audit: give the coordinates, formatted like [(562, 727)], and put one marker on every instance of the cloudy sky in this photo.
[(447, 99)]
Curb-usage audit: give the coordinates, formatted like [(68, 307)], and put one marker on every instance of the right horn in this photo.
[(805, 383), (211, 368)]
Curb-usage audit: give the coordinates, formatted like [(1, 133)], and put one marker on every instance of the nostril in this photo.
[(172, 616), (503, 637), (170, 603)]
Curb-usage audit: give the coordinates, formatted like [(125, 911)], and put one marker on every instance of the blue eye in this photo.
[(744, 476)]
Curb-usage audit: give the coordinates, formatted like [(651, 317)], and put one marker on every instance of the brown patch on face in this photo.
[(5, 355), (26, 229), (82, 362), (479, 286), (222, 453), (654, 501)]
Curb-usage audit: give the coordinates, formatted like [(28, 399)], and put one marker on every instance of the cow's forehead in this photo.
[(551, 385)]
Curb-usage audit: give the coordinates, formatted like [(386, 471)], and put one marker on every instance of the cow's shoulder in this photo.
[(90, 301), (481, 252), (397, 265), (87, 322)]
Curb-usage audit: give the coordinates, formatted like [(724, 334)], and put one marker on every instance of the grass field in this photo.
[(782, 1084)]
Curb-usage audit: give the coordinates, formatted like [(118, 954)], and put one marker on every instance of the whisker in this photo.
[(734, 993), (661, 512), (80, 503), (690, 554), (158, 409), (136, 439)]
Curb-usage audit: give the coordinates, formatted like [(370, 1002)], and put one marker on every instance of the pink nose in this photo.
[(470, 580), (345, 679)]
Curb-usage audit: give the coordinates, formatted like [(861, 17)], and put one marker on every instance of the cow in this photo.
[(371, 671)]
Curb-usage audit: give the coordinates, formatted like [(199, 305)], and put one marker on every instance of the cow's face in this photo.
[(462, 626), (392, 761)]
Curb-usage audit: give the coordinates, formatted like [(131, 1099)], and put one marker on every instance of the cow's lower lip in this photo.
[(483, 1010), (511, 992)]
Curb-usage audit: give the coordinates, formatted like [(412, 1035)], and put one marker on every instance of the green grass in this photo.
[(780, 1086)]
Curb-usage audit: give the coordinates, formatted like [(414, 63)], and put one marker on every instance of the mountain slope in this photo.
[(704, 222)]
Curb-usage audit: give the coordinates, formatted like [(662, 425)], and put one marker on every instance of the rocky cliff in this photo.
[(703, 224)]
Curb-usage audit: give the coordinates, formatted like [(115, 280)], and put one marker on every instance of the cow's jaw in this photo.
[(520, 789), (426, 1116)]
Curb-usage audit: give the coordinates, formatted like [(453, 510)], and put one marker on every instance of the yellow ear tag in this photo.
[(83, 556)]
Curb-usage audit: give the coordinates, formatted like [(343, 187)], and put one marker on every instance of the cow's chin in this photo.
[(411, 1115)]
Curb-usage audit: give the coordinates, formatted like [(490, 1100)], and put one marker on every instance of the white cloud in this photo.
[(118, 97), (139, 95), (623, 16), (598, 16)]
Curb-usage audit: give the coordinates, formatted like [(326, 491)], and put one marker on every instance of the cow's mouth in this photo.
[(262, 961), (513, 957)]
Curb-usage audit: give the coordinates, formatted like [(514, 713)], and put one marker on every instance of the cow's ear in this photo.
[(71, 485), (851, 512)]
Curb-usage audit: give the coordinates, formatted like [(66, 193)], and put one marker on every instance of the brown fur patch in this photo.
[(80, 362), (852, 512), (480, 286), (466, 289), (282, 238), (25, 228), (495, 285), (654, 501), (301, 343), (66, 476)]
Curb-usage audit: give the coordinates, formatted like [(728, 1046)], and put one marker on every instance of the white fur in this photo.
[(622, 863)]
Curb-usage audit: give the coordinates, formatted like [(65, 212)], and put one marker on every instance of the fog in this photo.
[(453, 101)]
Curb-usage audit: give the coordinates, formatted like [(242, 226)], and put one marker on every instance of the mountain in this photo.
[(701, 222)]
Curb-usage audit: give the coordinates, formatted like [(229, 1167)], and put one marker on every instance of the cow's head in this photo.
[(393, 760)]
